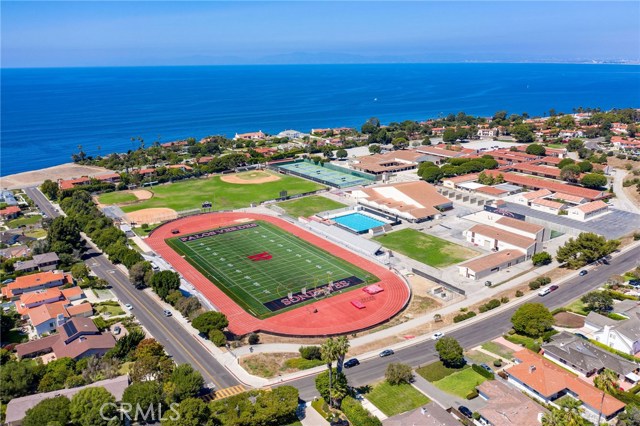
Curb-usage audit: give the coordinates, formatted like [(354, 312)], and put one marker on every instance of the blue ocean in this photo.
[(47, 113)]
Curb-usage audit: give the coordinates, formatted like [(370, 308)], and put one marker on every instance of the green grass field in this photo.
[(430, 250), (117, 198), (191, 193), (285, 263), (498, 349), (24, 221), (437, 371), (460, 383), (396, 399), (308, 206)]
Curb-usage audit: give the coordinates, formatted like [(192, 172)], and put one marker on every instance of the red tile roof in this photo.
[(592, 206), (493, 260), (547, 203), (552, 185), (502, 235), (520, 224), (548, 379), (35, 280), (9, 210)]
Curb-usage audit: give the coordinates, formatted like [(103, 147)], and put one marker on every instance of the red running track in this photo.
[(335, 315)]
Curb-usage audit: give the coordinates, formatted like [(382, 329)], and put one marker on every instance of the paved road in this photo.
[(183, 347), (491, 327)]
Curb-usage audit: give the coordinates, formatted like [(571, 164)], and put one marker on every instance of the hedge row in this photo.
[(539, 282), (481, 371), (491, 304), (462, 317), (357, 414)]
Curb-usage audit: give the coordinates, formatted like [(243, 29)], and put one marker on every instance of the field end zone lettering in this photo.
[(278, 304), (218, 231)]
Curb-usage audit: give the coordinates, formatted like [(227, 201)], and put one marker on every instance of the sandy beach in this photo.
[(36, 177)]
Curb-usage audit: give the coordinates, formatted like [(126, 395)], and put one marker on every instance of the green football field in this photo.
[(258, 265)]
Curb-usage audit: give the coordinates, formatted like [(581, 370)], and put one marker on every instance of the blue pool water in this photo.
[(358, 222)]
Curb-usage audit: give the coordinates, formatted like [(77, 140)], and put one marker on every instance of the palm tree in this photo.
[(329, 352), (607, 381), (342, 347), (572, 412), (553, 418)]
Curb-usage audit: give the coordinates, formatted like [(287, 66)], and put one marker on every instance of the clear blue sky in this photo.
[(63, 33)]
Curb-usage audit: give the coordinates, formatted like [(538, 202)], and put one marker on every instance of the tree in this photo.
[(50, 411), (184, 382), (371, 125), (58, 371), (607, 381), (92, 407), (8, 321), (532, 319), (332, 387), (449, 135), (148, 347), (485, 179), (398, 373), (541, 258), (431, 174), (375, 148), (630, 417), (217, 337), (593, 180), (151, 368), (208, 321), (50, 189), (598, 301), (188, 305), (566, 162), (145, 395), (165, 282), (536, 149), (16, 379), (450, 352), (342, 153), (570, 173), (575, 145), (63, 235), (140, 274), (190, 412), (342, 347), (585, 166), (586, 248), (329, 352), (80, 271), (522, 133)]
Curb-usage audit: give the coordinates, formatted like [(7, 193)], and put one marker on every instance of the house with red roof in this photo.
[(30, 283), (548, 382), (10, 212)]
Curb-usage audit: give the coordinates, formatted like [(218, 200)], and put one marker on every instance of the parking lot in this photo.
[(612, 225)]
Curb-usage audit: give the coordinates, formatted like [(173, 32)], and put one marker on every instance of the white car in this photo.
[(128, 306), (544, 292), (438, 335)]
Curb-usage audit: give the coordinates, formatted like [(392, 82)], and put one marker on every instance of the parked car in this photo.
[(386, 352), (8, 281), (553, 287), (351, 363), (117, 330), (339, 422), (128, 306), (486, 367), (633, 283), (582, 336), (437, 335), (465, 411), (487, 283), (583, 272), (167, 313), (544, 291)]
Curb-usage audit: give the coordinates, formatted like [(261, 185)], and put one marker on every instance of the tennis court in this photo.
[(324, 175), (265, 269)]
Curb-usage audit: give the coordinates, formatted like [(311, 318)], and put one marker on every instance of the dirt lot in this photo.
[(63, 171), (569, 320)]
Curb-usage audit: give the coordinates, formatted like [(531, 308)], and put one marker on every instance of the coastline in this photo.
[(36, 177)]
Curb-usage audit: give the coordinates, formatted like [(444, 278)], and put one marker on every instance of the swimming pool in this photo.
[(357, 222)]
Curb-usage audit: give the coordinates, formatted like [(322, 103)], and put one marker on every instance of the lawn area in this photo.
[(308, 206), (480, 357), (110, 308), (117, 198), (144, 232), (577, 307), (392, 400), (14, 336), (437, 371), (24, 221), (498, 349), (460, 383), (425, 248), (529, 342), (191, 193), (556, 145), (36, 233)]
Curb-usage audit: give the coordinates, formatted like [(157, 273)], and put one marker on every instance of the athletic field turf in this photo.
[(308, 206), (191, 193), (430, 250), (258, 264)]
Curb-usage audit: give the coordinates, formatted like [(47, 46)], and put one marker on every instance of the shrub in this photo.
[(217, 337), (462, 317), (476, 415), (254, 339), (473, 394), (302, 364), (519, 293), (636, 236), (100, 323), (481, 371), (357, 414), (145, 226), (542, 258), (310, 352), (504, 299), (497, 363), (534, 285), (398, 373), (491, 304)]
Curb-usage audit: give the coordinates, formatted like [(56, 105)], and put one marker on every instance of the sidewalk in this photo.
[(312, 417)]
